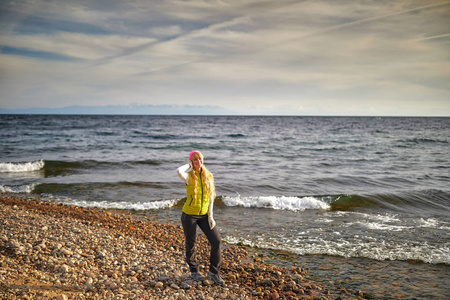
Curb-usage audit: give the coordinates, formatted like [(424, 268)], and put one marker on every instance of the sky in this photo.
[(249, 57)]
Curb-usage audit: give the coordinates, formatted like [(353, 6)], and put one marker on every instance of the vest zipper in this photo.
[(201, 203)]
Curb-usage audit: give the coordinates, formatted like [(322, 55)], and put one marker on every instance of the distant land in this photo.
[(122, 110), (141, 109)]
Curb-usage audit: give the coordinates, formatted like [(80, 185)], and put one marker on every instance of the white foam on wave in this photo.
[(21, 167), (17, 189), (381, 222), (373, 249), (433, 223), (117, 205), (277, 203), (382, 226)]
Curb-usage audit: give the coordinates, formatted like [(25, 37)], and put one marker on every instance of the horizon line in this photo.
[(220, 115)]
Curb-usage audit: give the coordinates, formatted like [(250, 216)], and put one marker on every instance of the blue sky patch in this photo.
[(37, 54)]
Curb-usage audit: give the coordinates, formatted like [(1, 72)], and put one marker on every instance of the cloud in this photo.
[(265, 56), (77, 45)]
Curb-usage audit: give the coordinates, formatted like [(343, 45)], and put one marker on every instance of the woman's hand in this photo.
[(211, 221)]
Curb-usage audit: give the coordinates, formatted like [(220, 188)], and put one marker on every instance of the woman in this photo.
[(198, 210)]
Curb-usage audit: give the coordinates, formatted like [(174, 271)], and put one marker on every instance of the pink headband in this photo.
[(192, 153)]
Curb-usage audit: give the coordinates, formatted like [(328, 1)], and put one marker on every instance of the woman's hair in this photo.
[(208, 177)]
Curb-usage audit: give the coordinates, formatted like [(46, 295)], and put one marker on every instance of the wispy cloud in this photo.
[(272, 55), (433, 37)]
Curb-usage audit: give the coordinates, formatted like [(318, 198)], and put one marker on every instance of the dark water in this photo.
[(374, 188)]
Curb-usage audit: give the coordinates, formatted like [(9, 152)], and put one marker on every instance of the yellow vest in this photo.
[(196, 205)]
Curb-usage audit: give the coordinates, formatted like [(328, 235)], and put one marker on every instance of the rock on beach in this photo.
[(53, 251)]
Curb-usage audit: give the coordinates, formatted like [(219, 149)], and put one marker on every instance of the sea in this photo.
[(364, 188)]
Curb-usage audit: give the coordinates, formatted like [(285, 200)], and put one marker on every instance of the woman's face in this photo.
[(197, 162)]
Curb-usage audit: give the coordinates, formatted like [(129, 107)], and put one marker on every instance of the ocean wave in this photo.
[(360, 247), (277, 203), (379, 250), (54, 168), (237, 135), (424, 140), (382, 226), (31, 166), (94, 164), (28, 188), (433, 223), (420, 200), (92, 188), (119, 204)]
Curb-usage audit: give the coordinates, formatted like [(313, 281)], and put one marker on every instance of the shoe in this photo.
[(197, 276), (216, 278)]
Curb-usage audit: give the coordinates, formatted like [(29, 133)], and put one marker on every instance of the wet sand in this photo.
[(51, 251), (378, 279)]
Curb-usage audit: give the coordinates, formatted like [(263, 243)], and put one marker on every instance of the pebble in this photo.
[(185, 286), (65, 251), (64, 268)]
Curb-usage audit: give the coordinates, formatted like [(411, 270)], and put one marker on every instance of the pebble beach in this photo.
[(55, 251)]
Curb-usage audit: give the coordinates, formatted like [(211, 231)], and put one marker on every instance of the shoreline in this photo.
[(54, 251)]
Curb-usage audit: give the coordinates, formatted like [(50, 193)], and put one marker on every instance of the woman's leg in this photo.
[(215, 240), (189, 224)]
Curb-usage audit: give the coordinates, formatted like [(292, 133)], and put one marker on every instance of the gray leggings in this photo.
[(190, 223)]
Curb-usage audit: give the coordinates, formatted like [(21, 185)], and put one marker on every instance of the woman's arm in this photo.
[(211, 221), (183, 172)]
